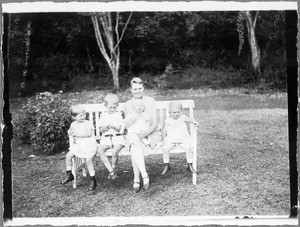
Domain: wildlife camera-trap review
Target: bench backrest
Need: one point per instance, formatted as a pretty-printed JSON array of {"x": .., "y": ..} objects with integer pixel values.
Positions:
[{"x": 94, "y": 111}]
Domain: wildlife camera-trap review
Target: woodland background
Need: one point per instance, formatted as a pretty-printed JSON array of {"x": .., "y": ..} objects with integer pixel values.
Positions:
[{"x": 169, "y": 50}]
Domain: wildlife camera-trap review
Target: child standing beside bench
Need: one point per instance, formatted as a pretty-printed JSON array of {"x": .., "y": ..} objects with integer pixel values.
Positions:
[
  {"x": 175, "y": 133},
  {"x": 84, "y": 144}
]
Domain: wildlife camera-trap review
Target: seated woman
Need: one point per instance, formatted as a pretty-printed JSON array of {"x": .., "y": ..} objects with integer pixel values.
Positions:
[{"x": 133, "y": 141}]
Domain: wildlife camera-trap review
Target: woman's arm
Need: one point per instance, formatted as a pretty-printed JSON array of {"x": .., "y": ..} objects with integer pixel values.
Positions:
[{"x": 154, "y": 122}]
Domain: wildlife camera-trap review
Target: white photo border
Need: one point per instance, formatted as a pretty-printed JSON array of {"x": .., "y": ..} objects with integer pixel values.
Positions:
[{"x": 47, "y": 6}]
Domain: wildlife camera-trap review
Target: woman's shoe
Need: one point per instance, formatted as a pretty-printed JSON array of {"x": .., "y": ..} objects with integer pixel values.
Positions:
[
  {"x": 146, "y": 182},
  {"x": 136, "y": 187}
]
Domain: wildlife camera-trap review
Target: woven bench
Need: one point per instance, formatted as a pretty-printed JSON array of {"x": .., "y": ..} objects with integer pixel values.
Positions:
[{"x": 94, "y": 112}]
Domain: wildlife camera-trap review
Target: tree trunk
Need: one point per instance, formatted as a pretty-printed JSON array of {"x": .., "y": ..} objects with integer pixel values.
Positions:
[
  {"x": 90, "y": 63},
  {"x": 255, "y": 53},
  {"x": 108, "y": 39},
  {"x": 116, "y": 79}
]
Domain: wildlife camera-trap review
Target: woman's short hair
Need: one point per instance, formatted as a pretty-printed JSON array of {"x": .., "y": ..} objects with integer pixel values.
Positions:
[{"x": 136, "y": 80}]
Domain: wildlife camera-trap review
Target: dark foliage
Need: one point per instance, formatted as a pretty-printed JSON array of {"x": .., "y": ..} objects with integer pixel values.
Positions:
[
  {"x": 43, "y": 123},
  {"x": 63, "y": 49}
]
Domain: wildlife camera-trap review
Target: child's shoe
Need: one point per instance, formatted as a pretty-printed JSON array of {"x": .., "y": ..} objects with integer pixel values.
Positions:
[
  {"x": 93, "y": 184},
  {"x": 70, "y": 177},
  {"x": 190, "y": 168},
  {"x": 166, "y": 169}
]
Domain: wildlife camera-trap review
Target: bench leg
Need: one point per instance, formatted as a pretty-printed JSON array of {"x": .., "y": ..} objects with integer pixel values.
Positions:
[
  {"x": 84, "y": 173},
  {"x": 194, "y": 176},
  {"x": 195, "y": 166},
  {"x": 74, "y": 167}
]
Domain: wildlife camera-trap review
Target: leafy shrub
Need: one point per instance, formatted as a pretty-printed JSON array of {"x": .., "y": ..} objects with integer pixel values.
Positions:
[
  {"x": 44, "y": 123},
  {"x": 24, "y": 123}
]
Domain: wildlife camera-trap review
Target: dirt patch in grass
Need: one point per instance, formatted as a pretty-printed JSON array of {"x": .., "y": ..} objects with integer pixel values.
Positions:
[{"x": 242, "y": 163}]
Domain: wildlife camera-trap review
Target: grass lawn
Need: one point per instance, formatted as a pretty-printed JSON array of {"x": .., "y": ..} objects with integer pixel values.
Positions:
[{"x": 242, "y": 164}]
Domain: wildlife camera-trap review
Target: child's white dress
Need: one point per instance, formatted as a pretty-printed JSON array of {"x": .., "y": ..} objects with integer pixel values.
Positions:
[
  {"x": 83, "y": 147},
  {"x": 177, "y": 131}
]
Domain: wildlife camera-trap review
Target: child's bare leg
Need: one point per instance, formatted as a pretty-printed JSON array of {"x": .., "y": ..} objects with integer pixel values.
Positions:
[
  {"x": 70, "y": 176},
  {"x": 115, "y": 155},
  {"x": 101, "y": 151},
  {"x": 69, "y": 157},
  {"x": 189, "y": 156},
  {"x": 166, "y": 157},
  {"x": 90, "y": 166}
]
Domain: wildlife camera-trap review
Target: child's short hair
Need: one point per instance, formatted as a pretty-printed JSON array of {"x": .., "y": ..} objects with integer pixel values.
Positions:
[
  {"x": 175, "y": 105},
  {"x": 75, "y": 110},
  {"x": 111, "y": 98}
]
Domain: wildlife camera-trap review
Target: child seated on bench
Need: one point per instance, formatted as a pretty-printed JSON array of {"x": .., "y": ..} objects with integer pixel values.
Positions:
[
  {"x": 110, "y": 124},
  {"x": 84, "y": 144},
  {"x": 142, "y": 123},
  {"x": 175, "y": 133}
]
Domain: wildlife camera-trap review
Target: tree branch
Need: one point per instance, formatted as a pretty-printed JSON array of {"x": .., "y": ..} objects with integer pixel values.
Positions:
[
  {"x": 255, "y": 19},
  {"x": 127, "y": 22},
  {"x": 106, "y": 25},
  {"x": 100, "y": 40}
]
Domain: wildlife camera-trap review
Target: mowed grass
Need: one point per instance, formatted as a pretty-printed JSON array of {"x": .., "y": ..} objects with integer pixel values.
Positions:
[{"x": 242, "y": 164}]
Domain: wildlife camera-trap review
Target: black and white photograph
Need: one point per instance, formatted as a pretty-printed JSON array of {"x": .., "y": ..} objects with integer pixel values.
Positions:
[{"x": 151, "y": 116}]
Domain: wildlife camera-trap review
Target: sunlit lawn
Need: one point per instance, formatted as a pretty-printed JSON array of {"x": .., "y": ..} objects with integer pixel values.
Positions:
[{"x": 242, "y": 163}]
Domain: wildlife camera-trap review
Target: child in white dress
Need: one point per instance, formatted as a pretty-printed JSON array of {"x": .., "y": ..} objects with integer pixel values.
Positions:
[
  {"x": 142, "y": 121},
  {"x": 176, "y": 133},
  {"x": 110, "y": 124},
  {"x": 84, "y": 144}
]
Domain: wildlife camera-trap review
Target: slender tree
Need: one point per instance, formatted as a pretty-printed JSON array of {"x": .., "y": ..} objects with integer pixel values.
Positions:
[
  {"x": 251, "y": 19},
  {"x": 108, "y": 39}
]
